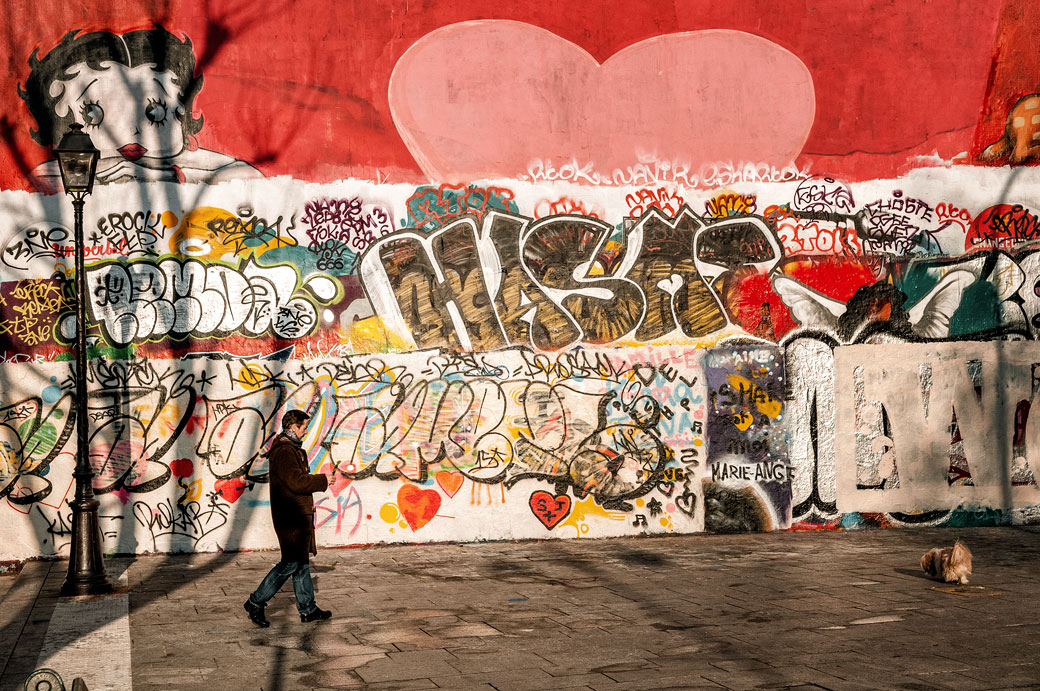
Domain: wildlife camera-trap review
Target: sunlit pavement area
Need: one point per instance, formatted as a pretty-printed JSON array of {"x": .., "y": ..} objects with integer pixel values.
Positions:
[{"x": 847, "y": 610}]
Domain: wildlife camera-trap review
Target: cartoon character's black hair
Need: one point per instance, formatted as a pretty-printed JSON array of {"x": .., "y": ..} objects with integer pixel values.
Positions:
[{"x": 155, "y": 46}]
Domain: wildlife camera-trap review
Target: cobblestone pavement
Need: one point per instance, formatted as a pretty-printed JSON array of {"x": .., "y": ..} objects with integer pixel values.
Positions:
[{"x": 781, "y": 610}]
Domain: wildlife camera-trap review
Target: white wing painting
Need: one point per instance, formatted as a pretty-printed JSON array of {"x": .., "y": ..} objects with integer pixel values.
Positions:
[{"x": 930, "y": 316}]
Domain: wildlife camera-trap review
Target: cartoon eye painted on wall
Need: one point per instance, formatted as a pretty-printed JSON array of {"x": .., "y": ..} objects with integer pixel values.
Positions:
[
  {"x": 156, "y": 111},
  {"x": 92, "y": 114}
]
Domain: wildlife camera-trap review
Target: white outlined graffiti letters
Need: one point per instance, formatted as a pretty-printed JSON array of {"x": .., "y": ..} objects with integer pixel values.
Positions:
[
  {"x": 528, "y": 315},
  {"x": 178, "y": 298},
  {"x": 566, "y": 256},
  {"x": 900, "y": 438},
  {"x": 608, "y": 433},
  {"x": 560, "y": 280},
  {"x": 676, "y": 295}
]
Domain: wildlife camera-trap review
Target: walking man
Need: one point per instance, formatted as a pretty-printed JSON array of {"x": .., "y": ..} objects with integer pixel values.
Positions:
[{"x": 292, "y": 510}]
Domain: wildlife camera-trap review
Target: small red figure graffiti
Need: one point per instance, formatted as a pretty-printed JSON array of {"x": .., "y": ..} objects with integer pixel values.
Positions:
[
  {"x": 133, "y": 93},
  {"x": 764, "y": 328}
]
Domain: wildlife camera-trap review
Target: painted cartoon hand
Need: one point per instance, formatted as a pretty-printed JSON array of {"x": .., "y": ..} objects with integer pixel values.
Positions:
[{"x": 125, "y": 171}]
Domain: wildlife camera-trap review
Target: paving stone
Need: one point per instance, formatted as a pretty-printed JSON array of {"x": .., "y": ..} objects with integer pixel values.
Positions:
[
  {"x": 473, "y": 663},
  {"x": 476, "y": 630},
  {"x": 403, "y": 666}
]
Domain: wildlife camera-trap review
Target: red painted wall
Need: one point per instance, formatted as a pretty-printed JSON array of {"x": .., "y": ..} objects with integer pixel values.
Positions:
[{"x": 301, "y": 89}]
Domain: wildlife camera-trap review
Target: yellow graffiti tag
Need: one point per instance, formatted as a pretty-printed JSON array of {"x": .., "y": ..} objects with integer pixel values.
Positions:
[
  {"x": 33, "y": 320},
  {"x": 190, "y": 492},
  {"x": 251, "y": 377},
  {"x": 729, "y": 203},
  {"x": 583, "y": 509},
  {"x": 372, "y": 336},
  {"x": 768, "y": 406},
  {"x": 743, "y": 420}
]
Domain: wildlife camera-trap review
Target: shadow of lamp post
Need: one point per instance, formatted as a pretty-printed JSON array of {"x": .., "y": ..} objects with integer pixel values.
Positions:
[{"x": 77, "y": 159}]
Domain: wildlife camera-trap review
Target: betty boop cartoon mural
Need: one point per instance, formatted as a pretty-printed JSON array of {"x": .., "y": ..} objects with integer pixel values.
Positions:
[{"x": 133, "y": 93}]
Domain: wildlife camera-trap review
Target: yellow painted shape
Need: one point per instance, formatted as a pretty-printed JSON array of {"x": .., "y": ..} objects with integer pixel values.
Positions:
[
  {"x": 169, "y": 415},
  {"x": 372, "y": 336},
  {"x": 583, "y": 509},
  {"x": 251, "y": 376},
  {"x": 389, "y": 512},
  {"x": 966, "y": 590},
  {"x": 769, "y": 407},
  {"x": 192, "y": 491},
  {"x": 196, "y": 237}
]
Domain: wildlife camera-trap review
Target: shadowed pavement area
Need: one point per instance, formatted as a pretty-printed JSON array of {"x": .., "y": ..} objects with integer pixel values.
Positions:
[{"x": 848, "y": 610}]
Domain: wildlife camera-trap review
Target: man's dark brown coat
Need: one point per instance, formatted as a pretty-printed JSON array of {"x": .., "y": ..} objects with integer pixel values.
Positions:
[{"x": 292, "y": 506}]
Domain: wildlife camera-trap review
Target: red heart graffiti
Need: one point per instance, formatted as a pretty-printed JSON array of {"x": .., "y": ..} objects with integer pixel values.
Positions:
[
  {"x": 182, "y": 467},
  {"x": 548, "y": 509},
  {"x": 418, "y": 506},
  {"x": 231, "y": 490},
  {"x": 450, "y": 481}
]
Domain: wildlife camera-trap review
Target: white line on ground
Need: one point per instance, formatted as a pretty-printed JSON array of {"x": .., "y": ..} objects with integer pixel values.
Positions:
[{"x": 90, "y": 637}]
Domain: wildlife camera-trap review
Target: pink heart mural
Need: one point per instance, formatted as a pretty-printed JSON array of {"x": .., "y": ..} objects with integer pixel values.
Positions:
[{"x": 485, "y": 99}]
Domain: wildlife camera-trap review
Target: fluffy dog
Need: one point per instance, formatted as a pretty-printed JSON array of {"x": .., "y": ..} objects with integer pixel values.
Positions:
[{"x": 950, "y": 564}]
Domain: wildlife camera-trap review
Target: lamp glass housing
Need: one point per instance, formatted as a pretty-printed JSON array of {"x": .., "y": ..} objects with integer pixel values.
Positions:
[{"x": 77, "y": 158}]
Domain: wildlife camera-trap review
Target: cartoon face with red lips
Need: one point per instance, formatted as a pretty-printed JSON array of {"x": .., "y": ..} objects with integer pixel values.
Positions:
[{"x": 133, "y": 93}]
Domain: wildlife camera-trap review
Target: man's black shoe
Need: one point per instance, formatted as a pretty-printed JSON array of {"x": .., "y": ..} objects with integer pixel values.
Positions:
[
  {"x": 256, "y": 614},
  {"x": 317, "y": 615}
]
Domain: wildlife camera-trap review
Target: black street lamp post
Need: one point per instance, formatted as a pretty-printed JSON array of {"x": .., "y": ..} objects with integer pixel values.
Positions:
[{"x": 77, "y": 159}]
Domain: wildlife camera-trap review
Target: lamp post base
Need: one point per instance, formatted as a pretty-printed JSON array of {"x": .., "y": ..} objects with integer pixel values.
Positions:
[
  {"x": 93, "y": 587},
  {"x": 86, "y": 574}
]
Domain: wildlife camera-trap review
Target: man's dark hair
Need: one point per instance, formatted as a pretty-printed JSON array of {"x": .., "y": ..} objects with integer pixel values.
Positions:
[
  {"x": 294, "y": 417},
  {"x": 155, "y": 46}
]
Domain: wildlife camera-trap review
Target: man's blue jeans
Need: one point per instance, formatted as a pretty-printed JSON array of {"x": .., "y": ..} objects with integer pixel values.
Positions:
[{"x": 301, "y": 578}]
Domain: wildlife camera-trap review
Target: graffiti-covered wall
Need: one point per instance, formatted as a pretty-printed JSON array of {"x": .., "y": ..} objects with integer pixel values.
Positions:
[{"x": 535, "y": 273}]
